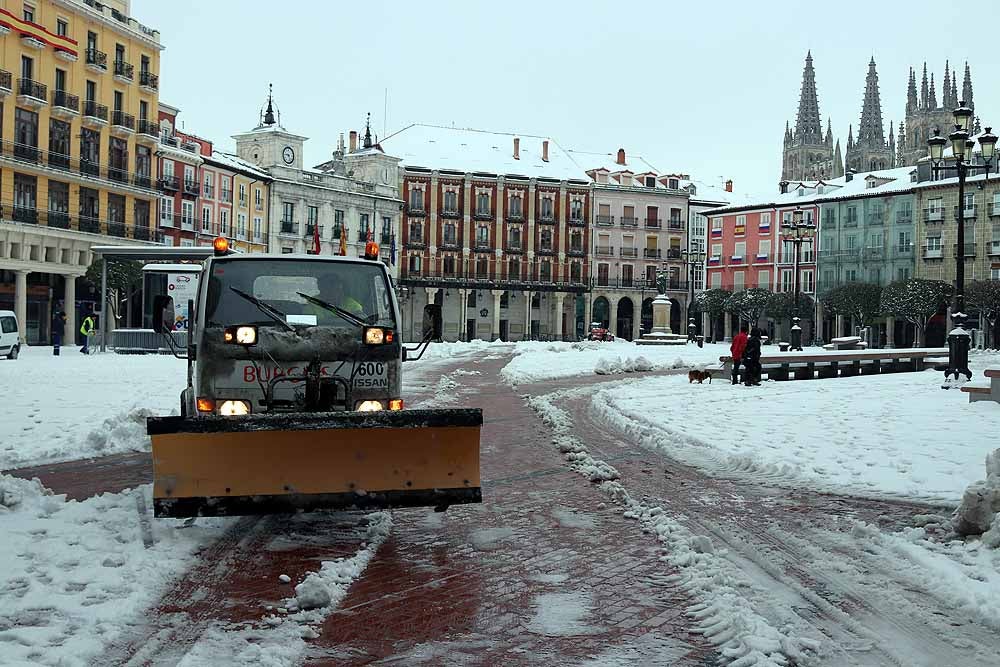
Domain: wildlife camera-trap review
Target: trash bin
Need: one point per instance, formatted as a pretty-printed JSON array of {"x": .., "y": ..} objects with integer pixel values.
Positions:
[
  {"x": 783, "y": 346},
  {"x": 701, "y": 340}
]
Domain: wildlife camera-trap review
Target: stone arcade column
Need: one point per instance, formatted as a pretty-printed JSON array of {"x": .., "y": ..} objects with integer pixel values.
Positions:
[
  {"x": 637, "y": 321},
  {"x": 69, "y": 305},
  {"x": 527, "y": 316},
  {"x": 463, "y": 298},
  {"x": 558, "y": 328},
  {"x": 706, "y": 327},
  {"x": 21, "y": 302},
  {"x": 727, "y": 328},
  {"x": 497, "y": 293},
  {"x": 890, "y": 332},
  {"x": 586, "y": 313}
]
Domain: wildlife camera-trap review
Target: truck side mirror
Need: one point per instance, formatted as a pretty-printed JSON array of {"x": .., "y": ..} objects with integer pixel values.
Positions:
[
  {"x": 432, "y": 322},
  {"x": 163, "y": 314}
]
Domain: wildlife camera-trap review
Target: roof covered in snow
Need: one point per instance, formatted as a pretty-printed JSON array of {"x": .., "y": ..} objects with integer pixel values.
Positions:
[
  {"x": 471, "y": 150},
  {"x": 235, "y": 163}
]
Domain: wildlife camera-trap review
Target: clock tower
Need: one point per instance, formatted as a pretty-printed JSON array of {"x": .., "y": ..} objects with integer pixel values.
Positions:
[{"x": 269, "y": 145}]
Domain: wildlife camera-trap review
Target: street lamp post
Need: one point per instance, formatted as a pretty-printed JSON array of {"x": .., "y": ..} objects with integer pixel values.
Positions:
[
  {"x": 962, "y": 152},
  {"x": 797, "y": 232},
  {"x": 694, "y": 259}
]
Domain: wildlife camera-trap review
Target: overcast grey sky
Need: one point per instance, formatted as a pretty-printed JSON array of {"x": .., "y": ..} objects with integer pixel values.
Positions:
[{"x": 702, "y": 87}]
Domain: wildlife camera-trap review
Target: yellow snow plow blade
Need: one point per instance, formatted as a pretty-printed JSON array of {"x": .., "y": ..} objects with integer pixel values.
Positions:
[{"x": 271, "y": 464}]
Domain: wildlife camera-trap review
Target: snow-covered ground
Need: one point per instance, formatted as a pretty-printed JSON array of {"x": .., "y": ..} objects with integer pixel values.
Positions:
[{"x": 888, "y": 435}]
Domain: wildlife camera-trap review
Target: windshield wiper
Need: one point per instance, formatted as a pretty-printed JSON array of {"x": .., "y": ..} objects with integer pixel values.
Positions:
[
  {"x": 265, "y": 308},
  {"x": 337, "y": 310}
]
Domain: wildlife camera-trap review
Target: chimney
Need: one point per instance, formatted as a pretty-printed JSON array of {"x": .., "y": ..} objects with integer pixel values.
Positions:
[
  {"x": 783, "y": 187},
  {"x": 545, "y": 150},
  {"x": 517, "y": 148},
  {"x": 849, "y": 176},
  {"x": 621, "y": 156},
  {"x": 354, "y": 141},
  {"x": 729, "y": 185}
]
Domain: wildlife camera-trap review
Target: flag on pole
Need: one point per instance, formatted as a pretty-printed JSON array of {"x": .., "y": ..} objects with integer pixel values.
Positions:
[
  {"x": 316, "y": 246},
  {"x": 392, "y": 250},
  {"x": 343, "y": 240}
]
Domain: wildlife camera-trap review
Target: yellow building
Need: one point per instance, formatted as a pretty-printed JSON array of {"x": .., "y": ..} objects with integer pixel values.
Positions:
[{"x": 79, "y": 95}]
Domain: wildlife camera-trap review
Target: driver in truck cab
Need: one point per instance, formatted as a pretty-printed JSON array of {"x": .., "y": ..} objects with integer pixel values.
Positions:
[{"x": 333, "y": 291}]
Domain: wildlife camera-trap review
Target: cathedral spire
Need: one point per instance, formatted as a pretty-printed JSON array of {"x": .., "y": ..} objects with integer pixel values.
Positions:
[
  {"x": 808, "y": 127},
  {"x": 850, "y": 138},
  {"x": 967, "y": 88},
  {"x": 954, "y": 92},
  {"x": 838, "y": 162},
  {"x": 946, "y": 88},
  {"x": 368, "y": 132},
  {"x": 901, "y": 144},
  {"x": 870, "y": 129},
  {"x": 829, "y": 132},
  {"x": 923, "y": 89},
  {"x": 932, "y": 100},
  {"x": 911, "y": 93}
]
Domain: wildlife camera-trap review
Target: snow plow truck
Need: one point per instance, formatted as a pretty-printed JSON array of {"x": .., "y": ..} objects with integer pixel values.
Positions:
[{"x": 294, "y": 396}]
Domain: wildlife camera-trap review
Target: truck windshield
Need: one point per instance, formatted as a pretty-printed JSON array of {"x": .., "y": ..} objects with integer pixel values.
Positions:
[{"x": 361, "y": 288}]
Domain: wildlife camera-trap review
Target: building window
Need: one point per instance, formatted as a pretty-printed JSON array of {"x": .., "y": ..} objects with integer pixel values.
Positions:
[
  {"x": 809, "y": 282},
  {"x": 717, "y": 225},
  {"x": 29, "y": 13},
  {"x": 739, "y": 281},
  {"x": 386, "y": 229},
  {"x": 449, "y": 266},
  {"x": 224, "y": 222},
  {"x": 257, "y": 223},
  {"x": 514, "y": 269},
  {"x": 62, "y": 28},
  {"x": 116, "y": 213},
  {"x": 450, "y": 201},
  {"x": 206, "y": 219},
  {"x": 363, "y": 225},
  {"x": 787, "y": 281},
  {"x": 59, "y": 138},
  {"x": 576, "y": 210},
  {"x": 140, "y": 215},
  {"x": 741, "y": 225},
  {"x": 546, "y": 240},
  {"x": 716, "y": 252},
  {"x": 545, "y": 271},
  {"x": 209, "y": 185},
  {"x": 415, "y": 264},
  {"x": 167, "y": 211},
  {"x": 241, "y": 225},
  {"x": 482, "y": 267},
  {"x": 312, "y": 216},
  {"x": 143, "y": 165},
  {"x": 764, "y": 279},
  {"x": 287, "y": 211},
  {"x": 338, "y": 223},
  {"x": 673, "y": 184},
  {"x": 515, "y": 206},
  {"x": 26, "y": 134},
  {"x": 576, "y": 272},
  {"x": 187, "y": 214},
  {"x": 764, "y": 249},
  {"x": 450, "y": 237},
  {"x": 243, "y": 194},
  {"x": 483, "y": 203},
  {"x": 258, "y": 199},
  {"x": 576, "y": 241},
  {"x": 740, "y": 252},
  {"x": 416, "y": 232},
  {"x": 546, "y": 208},
  {"x": 416, "y": 200},
  {"x": 118, "y": 159},
  {"x": 482, "y": 236}
]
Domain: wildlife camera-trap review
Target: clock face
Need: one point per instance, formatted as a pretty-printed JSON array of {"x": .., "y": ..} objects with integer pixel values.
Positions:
[{"x": 288, "y": 155}]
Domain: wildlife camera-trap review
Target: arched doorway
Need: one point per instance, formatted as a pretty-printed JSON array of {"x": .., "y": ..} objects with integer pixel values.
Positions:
[
  {"x": 675, "y": 317},
  {"x": 601, "y": 312},
  {"x": 625, "y": 318},
  {"x": 647, "y": 315}
]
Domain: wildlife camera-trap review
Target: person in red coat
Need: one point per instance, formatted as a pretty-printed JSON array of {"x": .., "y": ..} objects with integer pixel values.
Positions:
[{"x": 737, "y": 348}]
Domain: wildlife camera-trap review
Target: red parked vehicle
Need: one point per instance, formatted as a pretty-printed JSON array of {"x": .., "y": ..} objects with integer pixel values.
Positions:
[{"x": 598, "y": 332}]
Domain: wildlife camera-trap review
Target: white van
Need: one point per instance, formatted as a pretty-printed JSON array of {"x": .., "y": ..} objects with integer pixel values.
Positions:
[{"x": 10, "y": 344}]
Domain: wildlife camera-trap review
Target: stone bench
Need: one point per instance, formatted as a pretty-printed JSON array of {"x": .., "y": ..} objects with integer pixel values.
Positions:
[
  {"x": 846, "y": 343},
  {"x": 985, "y": 393},
  {"x": 837, "y": 363}
]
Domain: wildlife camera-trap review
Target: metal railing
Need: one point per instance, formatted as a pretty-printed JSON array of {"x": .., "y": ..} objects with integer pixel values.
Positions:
[
  {"x": 604, "y": 220},
  {"x": 675, "y": 224},
  {"x": 904, "y": 218},
  {"x": 651, "y": 223},
  {"x": 546, "y": 217},
  {"x": 96, "y": 58},
  {"x": 604, "y": 251},
  {"x": 169, "y": 183},
  {"x": 673, "y": 253},
  {"x": 629, "y": 221},
  {"x": 576, "y": 252},
  {"x": 933, "y": 214},
  {"x": 149, "y": 80},
  {"x": 451, "y": 213},
  {"x": 94, "y": 110},
  {"x": 60, "y": 98},
  {"x": 35, "y": 156},
  {"x": 515, "y": 217},
  {"x": 933, "y": 252},
  {"x": 515, "y": 248},
  {"x": 6, "y": 79},
  {"x": 226, "y": 196},
  {"x": 628, "y": 252},
  {"x": 31, "y": 88},
  {"x": 311, "y": 230},
  {"x": 122, "y": 119},
  {"x": 208, "y": 191},
  {"x": 651, "y": 253},
  {"x": 92, "y": 225},
  {"x": 577, "y": 222},
  {"x": 876, "y": 217},
  {"x": 482, "y": 246},
  {"x": 545, "y": 250},
  {"x": 483, "y": 215},
  {"x": 416, "y": 210},
  {"x": 289, "y": 227},
  {"x": 187, "y": 222},
  {"x": 994, "y": 249},
  {"x": 968, "y": 211},
  {"x": 192, "y": 187},
  {"x": 124, "y": 70}
]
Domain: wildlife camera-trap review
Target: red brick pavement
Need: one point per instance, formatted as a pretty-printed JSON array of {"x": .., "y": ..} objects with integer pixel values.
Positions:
[{"x": 467, "y": 587}]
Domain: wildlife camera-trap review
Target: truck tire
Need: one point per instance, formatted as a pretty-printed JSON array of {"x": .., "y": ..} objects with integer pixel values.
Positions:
[{"x": 14, "y": 351}]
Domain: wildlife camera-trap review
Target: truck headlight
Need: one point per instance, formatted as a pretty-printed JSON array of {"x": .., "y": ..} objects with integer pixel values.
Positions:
[
  {"x": 234, "y": 408},
  {"x": 245, "y": 335},
  {"x": 370, "y": 406},
  {"x": 378, "y": 336}
]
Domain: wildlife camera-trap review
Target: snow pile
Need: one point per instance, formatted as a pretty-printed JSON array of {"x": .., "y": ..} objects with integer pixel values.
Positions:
[
  {"x": 535, "y": 361},
  {"x": 328, "y": 586},
  {"x": 981, "y": 503},
  {"x": 75, "y": 573},
  {"x": 723, "y": 613},
  {"x": 900, "y": 445},
  {"x": 448, "y": 350},
  {"x": 125, "y": 432}
]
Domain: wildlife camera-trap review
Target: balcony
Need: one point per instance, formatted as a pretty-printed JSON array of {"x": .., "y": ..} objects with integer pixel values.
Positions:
[
  {"x": 933, "y": 252},
  {"x": 117, "y": 229},
  {"x": 118, "y": 174},
  {"x": 6, "y": 83},
  {"x": 545, "y": 250},
  {"x": 27, "y": 153},
  {"x": 650, "y": 223},
  {"x": 89, "y": 224},
  {"x": 514, "y": 249},
  {"x": 122, "y": 124},
  {"x": 629, "y": 221},
  {"x": 851, "y": 221},
  {"x": 515, "y": 217},
  {"x": 993, "y": 250},
  {"x": 25, "y": 215},
  {"x": 311, "y": 231},
  {"x": 483, "y": 215},
  {"x": 546, "y": 218},
  {"x": 289, "y": 227},
  {"x": 969, "y": 212},
  {"x": 416, "y": 211},
  {"x": 675, "y": 224},
  {"x": 449, "y": 243},
  {"x": 933, "y": 214},
  {"x": 89, "y": 168},
  {"x": 208, "y": 191},
  {"x": 149, "y": 81},
  {"x": 875, "y": 252},
  {"x": 904, "y": 250},
  {"x": 575, "y": 252},
  {"x": 416, "y": 242},
  {"x": 169, "y": 184},
  {"x": 145, "y": 233},
  {"x": 95, "y": 116},
  {"x": 187, "y": 222},
  {"x": 970, "y": 250},
  {"x": 58, "y": 219},
  {"x": 124, "y": 71},
  {"x": 32, "y": 94},
  {"x": 577, "y": 222},
  {"x": 604, "y": 220},
  {"x": 628, "y": 252},
  {"x": 904, "y": 218},
  {"x": 192, "y": 188},
  {"x": 95, "y": 60},
  {"x": 673, "y": 253},
  {"x": 482, "y": 247},
  {"x": 651, "y": 253},
  {"x": 876, "y": 217},
  {"x": 64, "y": 105},
  {"x": 226, "y": 196},
  {"x": 604, "y": 251},
  {"x": 362, "y": 235},
  {"x": 452, "y": 213}
]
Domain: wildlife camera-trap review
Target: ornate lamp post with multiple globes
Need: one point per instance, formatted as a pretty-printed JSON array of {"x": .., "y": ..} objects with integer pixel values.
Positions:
[
  {"x": 797, "y": 231},
  {"x": 962, "y": 151},
  {"x": 694, "y": 259}
]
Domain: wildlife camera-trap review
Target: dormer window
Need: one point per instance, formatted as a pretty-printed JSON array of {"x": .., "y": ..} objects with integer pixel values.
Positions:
[
  {"x": 674, "y": 184},
  {"x": 602, "y": 177},
  {"x": 625, "y": 179},
  {"x": 650, "y": 181}
]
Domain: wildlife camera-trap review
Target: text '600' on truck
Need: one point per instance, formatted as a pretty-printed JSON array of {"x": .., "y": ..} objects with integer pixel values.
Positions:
[{"x": 294, "y": 401}]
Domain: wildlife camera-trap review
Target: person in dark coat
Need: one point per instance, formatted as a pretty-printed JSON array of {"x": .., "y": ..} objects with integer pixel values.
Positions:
[
  {"x": 751, "y": 359},
  {"x": 58, "y": 325},
  {"x": 736, "y": 349}
]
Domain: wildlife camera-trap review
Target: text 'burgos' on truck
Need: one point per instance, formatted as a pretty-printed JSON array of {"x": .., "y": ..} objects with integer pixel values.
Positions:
[{"x": 293, "y": 399}]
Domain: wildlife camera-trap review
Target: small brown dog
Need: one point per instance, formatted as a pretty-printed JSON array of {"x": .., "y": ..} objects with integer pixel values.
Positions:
[{"x": 700, "y": 376}]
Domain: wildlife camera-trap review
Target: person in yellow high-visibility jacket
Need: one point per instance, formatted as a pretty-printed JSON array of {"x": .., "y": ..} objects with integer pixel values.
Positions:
[
  {"x": 332, "y": 291},
  {"x": 87, "y": 329}
]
